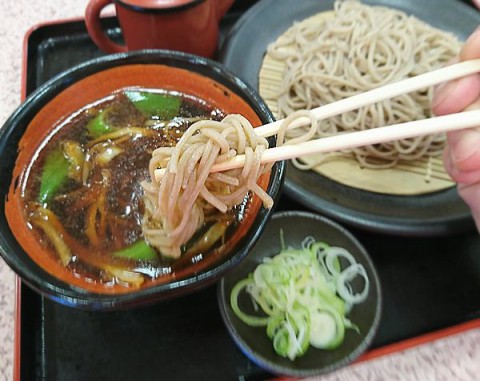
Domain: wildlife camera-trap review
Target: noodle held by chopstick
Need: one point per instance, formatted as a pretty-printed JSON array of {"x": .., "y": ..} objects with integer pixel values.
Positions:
[{"x": 175, "y": 204}]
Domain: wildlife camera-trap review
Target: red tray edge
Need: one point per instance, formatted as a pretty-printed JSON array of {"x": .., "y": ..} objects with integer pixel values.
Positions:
[
  {"x": 369, "y": 355},
  {"x": 17, "y": 330},
  {"x": 18, "y": 285},
  {"x": 18, "y": 282}
]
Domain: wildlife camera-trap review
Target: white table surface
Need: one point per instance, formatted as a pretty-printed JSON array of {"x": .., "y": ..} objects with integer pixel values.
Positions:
[{"x": 453, "y": 358}]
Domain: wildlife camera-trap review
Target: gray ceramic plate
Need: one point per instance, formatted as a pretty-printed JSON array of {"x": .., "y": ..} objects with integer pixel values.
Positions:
[
  {"x": 433, "y": 214},
  {"x": 253, "y": 341}
]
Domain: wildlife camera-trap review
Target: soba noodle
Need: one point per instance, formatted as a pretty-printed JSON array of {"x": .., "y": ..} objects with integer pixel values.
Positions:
[
  {"x": 175, "y": 204},
  {"x": 360, "y": 48}
]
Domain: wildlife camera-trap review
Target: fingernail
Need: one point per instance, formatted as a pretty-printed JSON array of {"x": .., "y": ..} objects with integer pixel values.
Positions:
[
  {"x": 442, "y": 92},
  {"x": 464, "y": 145}
]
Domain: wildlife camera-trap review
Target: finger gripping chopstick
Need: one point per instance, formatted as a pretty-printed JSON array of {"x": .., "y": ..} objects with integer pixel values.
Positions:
[{"x": 374, "y": 135}]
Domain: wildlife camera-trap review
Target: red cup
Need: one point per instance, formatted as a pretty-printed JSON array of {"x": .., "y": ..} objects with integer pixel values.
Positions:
[{"x": 190, "y": 26}]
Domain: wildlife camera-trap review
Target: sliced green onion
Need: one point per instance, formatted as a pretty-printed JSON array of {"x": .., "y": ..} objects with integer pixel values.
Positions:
[
  {"x": 139, "y": 251},
  {"x": 327, "y": 330},
  {"x": 98, "y": 126},
  {"x": 254, "y": 321},
  {"x": 54, "y": 174},
  {"x": 162, "y": 105},
  {"x": 298, "y": 291}
]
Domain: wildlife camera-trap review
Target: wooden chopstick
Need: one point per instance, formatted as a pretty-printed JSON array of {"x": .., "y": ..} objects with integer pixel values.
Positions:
[
  {"x": 350, "y": 140},
  {"x": 379, "y": 94}
]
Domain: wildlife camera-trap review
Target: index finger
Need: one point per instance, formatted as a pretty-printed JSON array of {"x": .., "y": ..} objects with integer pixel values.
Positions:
[{"x": 471, "y": 48}]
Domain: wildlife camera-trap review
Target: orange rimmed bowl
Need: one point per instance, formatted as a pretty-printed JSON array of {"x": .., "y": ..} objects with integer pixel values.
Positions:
[{"x": 65, "y": 94}]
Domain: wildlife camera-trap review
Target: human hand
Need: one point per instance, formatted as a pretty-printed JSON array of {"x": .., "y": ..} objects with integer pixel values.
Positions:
[{"x": 462, "y": 153}]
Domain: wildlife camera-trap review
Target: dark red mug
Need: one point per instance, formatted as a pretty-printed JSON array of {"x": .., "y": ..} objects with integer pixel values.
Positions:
[{"x": 190, "y": 26}]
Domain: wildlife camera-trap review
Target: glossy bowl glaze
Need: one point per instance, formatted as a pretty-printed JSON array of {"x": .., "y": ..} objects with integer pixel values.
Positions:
[
  {"x": 254, "y": 342},
  {"x": 82, "y": 85}
]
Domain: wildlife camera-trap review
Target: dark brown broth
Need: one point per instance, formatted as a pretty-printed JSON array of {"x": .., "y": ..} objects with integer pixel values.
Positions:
[{"x": 119, "y": 180}]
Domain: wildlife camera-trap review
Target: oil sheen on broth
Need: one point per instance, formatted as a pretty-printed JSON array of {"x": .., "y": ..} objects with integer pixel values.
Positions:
[{"x": 83, "y": 193}]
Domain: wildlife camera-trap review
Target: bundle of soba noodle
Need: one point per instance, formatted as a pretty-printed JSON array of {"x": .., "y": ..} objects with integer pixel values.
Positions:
[
  {"x": 175, "y": 203},
  {"x": 359, "y": 48}
]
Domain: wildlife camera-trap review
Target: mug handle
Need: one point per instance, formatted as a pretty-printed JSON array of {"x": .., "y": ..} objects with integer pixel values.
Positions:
[
  {"x": 92, "y": 21},
  {"x": 222, "y": 7}
]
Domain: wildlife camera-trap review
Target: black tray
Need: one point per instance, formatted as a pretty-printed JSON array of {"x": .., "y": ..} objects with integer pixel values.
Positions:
[{"x": 428, "y": 284}]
